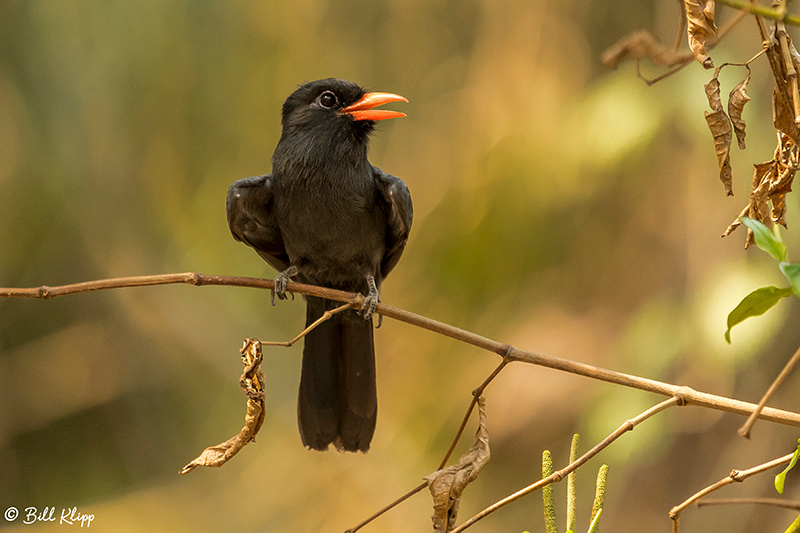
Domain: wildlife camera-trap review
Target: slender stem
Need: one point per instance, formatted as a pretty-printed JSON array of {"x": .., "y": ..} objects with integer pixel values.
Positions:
[
  {"x": 734, "y": 476},
  {"x": 476, "y": 394},
  {"x": 324, "y": 318},
  {"x": 689, "y": 395},
  {"x": 764, "y": 11},
  {"x": 628, "y": 425},
  {"x": 774, "y": 502},
  {"x": 744, "y": 431}
]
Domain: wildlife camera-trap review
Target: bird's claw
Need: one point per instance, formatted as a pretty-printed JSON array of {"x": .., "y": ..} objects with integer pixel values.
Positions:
[
  {"x": 280, "y": 284},
  {"x": 371, "y": 301}
]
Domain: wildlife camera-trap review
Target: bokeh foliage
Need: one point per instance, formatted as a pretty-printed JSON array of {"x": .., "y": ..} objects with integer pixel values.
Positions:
[{"x": 560, "y": 207}]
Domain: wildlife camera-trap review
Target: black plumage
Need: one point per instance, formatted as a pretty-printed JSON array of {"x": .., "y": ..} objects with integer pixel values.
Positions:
[{"x": 326, "y": 216}]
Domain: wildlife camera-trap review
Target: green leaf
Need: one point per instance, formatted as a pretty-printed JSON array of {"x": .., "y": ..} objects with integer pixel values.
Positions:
[
  {"x": 792, "y": 273},
  {"x": 756, "y": 303},
  {"x": 766, "y": 239},
  {"x": 795, "y": 526},
  {"x": 780, "y": 479}
]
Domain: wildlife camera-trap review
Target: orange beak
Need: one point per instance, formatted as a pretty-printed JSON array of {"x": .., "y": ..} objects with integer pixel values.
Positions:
[{"x": 363, "y": 109}]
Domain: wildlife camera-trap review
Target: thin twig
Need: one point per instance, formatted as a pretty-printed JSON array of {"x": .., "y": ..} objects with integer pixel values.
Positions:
[
  {"x": 398, "y": 501},
  {"x": 476, "y": 394},
  {"x": 774, "y": 502},
  {"x": 734, "y": 476},
  {"x": 690, "y": 396},
  {"x": 689, "y": 58},
  {"x": 324, "y": 318},
  {"x": 555, "y": 477},
  {"x": 744, "y": 431},
  {"x": 757, "y": 9}
]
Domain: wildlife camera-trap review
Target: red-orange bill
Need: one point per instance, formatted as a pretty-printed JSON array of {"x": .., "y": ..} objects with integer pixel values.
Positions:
[{"x": 363, "y": 109}]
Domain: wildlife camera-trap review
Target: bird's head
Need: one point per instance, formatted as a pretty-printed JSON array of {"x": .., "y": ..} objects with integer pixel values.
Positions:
[{"x": 335, "y": 108}]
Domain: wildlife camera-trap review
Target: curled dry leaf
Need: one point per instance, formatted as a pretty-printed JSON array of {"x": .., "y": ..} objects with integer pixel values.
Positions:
[
  {"x": 772, "y": 180},
  {"x": 639, "y": 45},
  {"x": 736, "y": 101},
  {"x": 721, "y": 129},
  {"x": 252, "y": 382},
  {"x": 782, "y": 111},
  {"x": 701, "y": 29},
  {"x": 447, "y": 484}
]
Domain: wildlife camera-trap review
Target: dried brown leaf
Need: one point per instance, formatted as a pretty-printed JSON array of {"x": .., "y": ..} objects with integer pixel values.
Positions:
[
  {"x": 721, "y": 129},
  {"x": 782, "y": 111},
  {"x": 639, "y": 45},
  {"x": 447, "y": 484},
  {"x": 783, "y": 116},
  {"x": 781, "y": 183},
  {"x": 736, "y": 101},
  {"x": 701, "y": 29},
  {"x": 252, "y": 382}
]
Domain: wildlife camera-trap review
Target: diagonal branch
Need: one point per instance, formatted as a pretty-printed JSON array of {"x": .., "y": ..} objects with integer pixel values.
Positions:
[
  {"x": 555, "y": 477},
  {"x": 734, "y": 476},
  {"x": 689, "y": 395}
]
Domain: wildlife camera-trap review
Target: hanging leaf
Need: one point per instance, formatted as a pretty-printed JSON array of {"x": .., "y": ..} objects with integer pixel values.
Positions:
[
  {"x": 721, "y": 129},
  {"x": 792, "y": 273},
  {"x": 447, "y": 484},
  {"x": 766, "y": 239},
  {"x": 780, "y": 479},
  {"x": 736, "y": 101},
  {"x": 756, "y": 303},
  {"x": 701, "y": 29},
  {"x": 782, "y": 111},
  {"x": 252, "y": 382}
]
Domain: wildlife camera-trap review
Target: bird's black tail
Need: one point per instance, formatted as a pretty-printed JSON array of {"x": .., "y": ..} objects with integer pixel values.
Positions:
[{"x": 338, "y": 401}]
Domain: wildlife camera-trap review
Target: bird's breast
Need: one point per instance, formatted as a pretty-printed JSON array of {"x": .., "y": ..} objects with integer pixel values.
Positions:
[{"x": 335, "y": 234}]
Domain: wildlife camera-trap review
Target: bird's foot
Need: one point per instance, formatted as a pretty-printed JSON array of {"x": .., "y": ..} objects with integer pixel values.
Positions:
[
  {"x": 280, "y": 284},
  {"x": 371, "y": 301}
]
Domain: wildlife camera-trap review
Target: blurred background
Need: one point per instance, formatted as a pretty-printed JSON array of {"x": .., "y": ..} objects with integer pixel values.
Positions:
[{"x": 559, "y": 207}]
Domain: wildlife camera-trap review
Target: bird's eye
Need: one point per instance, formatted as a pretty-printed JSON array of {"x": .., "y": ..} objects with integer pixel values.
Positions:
[{"x": 328, "y": 100}]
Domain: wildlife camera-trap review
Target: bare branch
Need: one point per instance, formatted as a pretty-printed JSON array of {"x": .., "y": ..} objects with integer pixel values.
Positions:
[
  {"x": 774, "y": 502},
  {"x": 734, "y": 476},
  {"x": 764, "y": 11},
  {"x": 476, "y": 394},
  {"x": 744, "y": 431},
  {"x": 628, "y": 425},
  {"x": 689, "y": 395}
]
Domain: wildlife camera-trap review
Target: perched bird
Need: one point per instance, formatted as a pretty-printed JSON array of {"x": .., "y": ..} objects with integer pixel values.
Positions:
[{"x": 326, "y": 216}]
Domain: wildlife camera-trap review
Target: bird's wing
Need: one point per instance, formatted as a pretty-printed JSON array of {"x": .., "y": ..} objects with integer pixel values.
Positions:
[
  {"x": 400, "y": 211},
  {"x": 251, "y": 219}
]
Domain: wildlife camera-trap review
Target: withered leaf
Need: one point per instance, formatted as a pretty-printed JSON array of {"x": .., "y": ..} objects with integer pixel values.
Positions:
[
  {"x": 639, "y": 45},
  {"x": 782, "y": 111},
  {"x": 447, "y": 484},
  {"x": 736, "y": 101},
  {"x": 252, "y": 382},
  {"x": 772, "y": 181},
  {"x": 721, "y": 129},
  {"x": 701, "y": 29}
]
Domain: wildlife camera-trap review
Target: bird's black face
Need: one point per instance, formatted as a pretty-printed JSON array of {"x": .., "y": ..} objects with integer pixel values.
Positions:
[{"x": 332, "y": 106}]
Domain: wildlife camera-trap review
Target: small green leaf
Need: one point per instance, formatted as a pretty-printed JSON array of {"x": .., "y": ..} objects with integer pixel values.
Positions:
[
  {"x": 792, "y": 273},
  {"x": 794, "y": 527},
  {"x": 780, "y": 479},
  {"x": 765, "y": 238},
  {"x": 756, "y": 303}
]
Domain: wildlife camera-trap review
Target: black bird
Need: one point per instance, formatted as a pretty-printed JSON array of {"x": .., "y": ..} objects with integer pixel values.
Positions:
[{"x": 326, "y": 216}]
